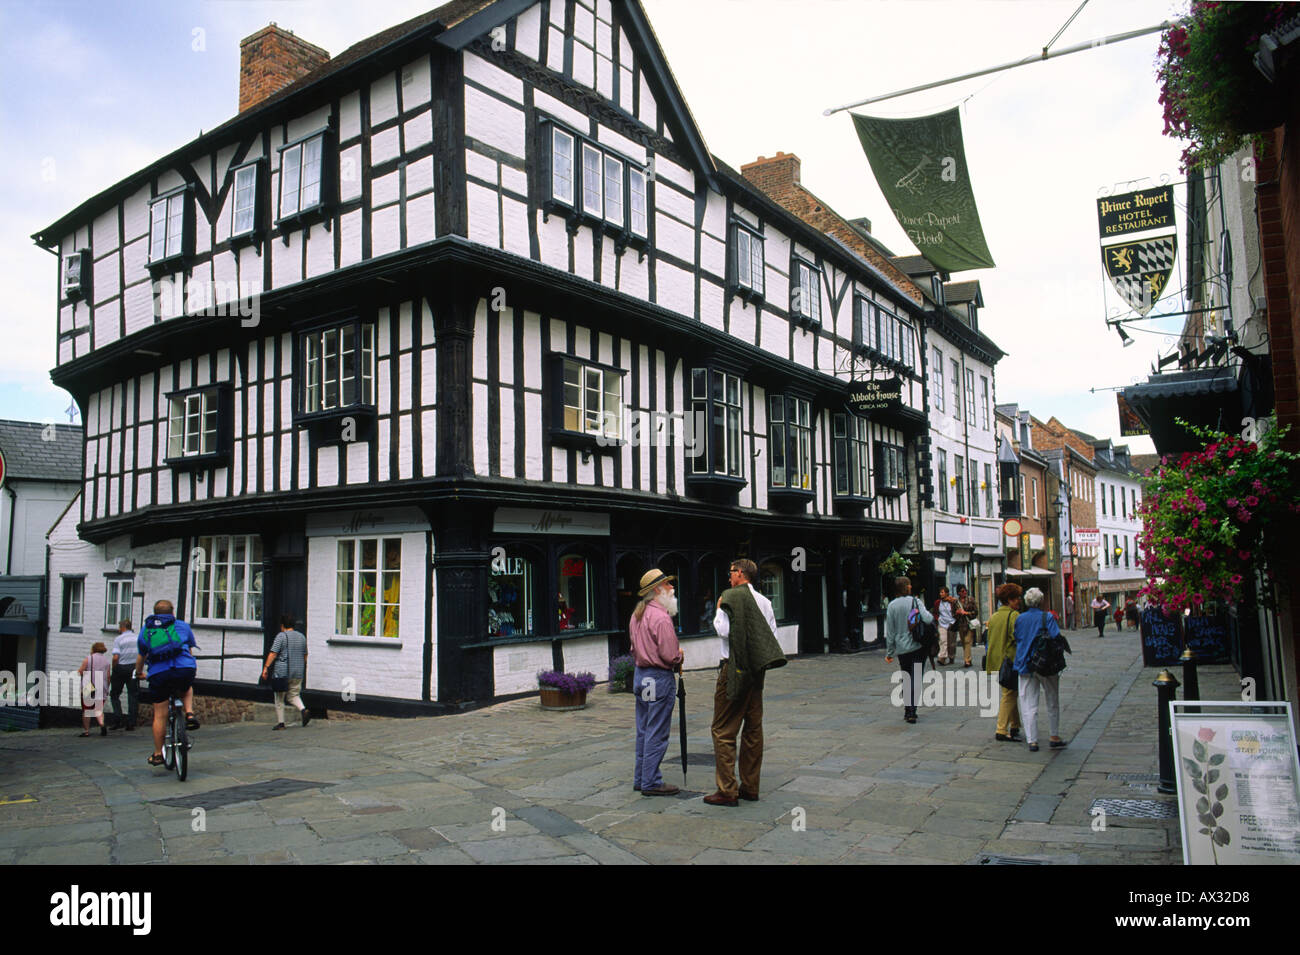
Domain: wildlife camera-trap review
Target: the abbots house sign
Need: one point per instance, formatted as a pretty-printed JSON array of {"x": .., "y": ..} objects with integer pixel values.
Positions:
[{"x": 883, "y": 394}]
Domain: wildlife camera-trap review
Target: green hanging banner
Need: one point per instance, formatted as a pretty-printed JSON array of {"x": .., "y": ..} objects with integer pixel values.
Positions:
[{"x": 920, "y": 166}]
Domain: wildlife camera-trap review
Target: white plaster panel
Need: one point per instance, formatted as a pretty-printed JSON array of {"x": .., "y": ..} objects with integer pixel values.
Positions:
[
  {"x": 561, "y": 111},
  {"x": 514, "y": 180},
  {"x": 383, "y": 98},
  {"x": 674, "y": 238},
  {"x": 775, "y": 332},
  {"x": 634, "y": 275},
  {"x": 582, "y": 262},
  {"x": 350, "y": 173},
  {"x": 528, "y": 32},
  {"x": 417, "y": 86},
  {"x": 555, "y": 46},
  {"x": 484, "y": 215},
  {"x": 493, "y": 77},
  {"x": 429, "y": 443},
  {"x": 419, "y": 176},
  {"x": 349, "y": 116},
  {"x": 385, "y": 231},
  {"x": 605, "y": 77},
  {"x": 309, "y": 123},
  {"x": 742, "y": 322},
  {"x": 385, "y": 190},
  {"x": 553, "y": 242},
  {"x": 625, "y": 94},
  {"x": 506, "y": 402},
  {"x": 532, "y": 436},
  {"x": 649, "y": 112},
  {"x": 584, "y": 64},
  {"x": 384, "y": 145},
  {"x": 713, "y": 256},
  {"x": 479, "y": 415},
  {"x": 418, "y": 131},
  {"x": 675, "y": 288},
  {"x": 428, "y": 376},
  {"x": 419, "y": 220},
  {"x": 135, "y": 215},
  {"x": 350, "y": 238},
  {"x": 493, "y": 122},
  {"x": 632, "y": 150},
  {"x": 480, "y": 166},
  {"x": 675, "y": 203},
  {"x": 320, "y": 251},
  {"x": 286, "y": 260}
]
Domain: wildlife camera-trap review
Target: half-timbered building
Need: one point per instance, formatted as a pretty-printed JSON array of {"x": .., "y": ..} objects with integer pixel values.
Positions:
[{"x": 441, "y": 345}]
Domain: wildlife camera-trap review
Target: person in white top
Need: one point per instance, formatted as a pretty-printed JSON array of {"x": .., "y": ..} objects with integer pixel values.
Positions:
[
  {"x": 747, "y": 709},
  {"x": 125, "y": 649}
]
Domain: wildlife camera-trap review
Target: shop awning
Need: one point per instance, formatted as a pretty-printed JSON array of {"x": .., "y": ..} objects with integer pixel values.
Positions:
[
  {"x": 1207, "y": 397},
  {"x": 1031, "y": 572}
]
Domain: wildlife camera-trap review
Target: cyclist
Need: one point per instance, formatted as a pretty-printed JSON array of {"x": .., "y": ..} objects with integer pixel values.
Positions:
[{"x": 165, "y": 645}]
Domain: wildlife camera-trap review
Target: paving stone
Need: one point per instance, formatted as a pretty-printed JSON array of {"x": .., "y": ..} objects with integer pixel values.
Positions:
[
  {"x": 80, "y": 854},
  {"x": 370, "y": 847},
  {"x": 824, "y": 845},
  {"x": 828, "y": 786},
  {"x": 935, "y": 845},
  {"x": 1043, "y": 832},
  {"x": 515, "y": 848}
]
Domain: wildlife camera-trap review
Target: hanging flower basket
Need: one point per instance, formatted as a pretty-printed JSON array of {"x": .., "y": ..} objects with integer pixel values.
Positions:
[
  {"x": 1213, "y": 517},
  {"x": 1213, "y": 96},
  {"x": 895, "y": 565},
  {"x": 564, "y": 691}
]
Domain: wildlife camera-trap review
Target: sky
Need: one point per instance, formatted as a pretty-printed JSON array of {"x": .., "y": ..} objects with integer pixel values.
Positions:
[{"x": 95, "y": 91}]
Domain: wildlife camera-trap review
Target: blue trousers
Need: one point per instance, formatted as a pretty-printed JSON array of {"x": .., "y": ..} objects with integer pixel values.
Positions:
[{"x": 656, "y": 693}]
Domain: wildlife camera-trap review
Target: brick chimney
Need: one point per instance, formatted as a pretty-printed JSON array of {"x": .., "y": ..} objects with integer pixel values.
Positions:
[
  {"x": 270, "y": 60},
  {"x": 774, "y": 176}
]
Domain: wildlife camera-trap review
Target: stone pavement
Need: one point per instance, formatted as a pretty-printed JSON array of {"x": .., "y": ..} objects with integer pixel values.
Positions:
[{"x": 844, "y": 780}]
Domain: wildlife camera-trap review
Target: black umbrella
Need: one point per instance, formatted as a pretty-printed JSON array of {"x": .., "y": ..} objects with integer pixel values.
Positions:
[{"x": 681, "y": 710}]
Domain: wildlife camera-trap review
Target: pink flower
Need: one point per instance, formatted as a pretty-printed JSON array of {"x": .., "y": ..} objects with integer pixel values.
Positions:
[
  {"x": 1207, "y": 553},
  {"x": 1236, "y": 578},
  {"x": 1232, "y": 502},
  {"x": 1243, "y": 515},
  {"x": 1252, "y": 501},
  {"x": 1205, "y": 735}
]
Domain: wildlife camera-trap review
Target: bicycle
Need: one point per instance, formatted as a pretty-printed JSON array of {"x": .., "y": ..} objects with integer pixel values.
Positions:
[{"x": 176, "y": 742}]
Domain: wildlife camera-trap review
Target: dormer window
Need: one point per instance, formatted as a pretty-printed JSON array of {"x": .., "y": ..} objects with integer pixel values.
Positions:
[
  {"x": 199, "y": 426},
  {"x": 303, "y": 177},
  {"x": 76, "y": 274},
  {"x": 747, "y": 262},
  {"x": 805, "y": 293},
  {"x": 171, "y": 227},
  {"x": 245, "y": 220}
]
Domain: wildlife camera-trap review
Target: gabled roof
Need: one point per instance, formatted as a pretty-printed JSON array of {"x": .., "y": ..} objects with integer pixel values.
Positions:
[
  {"x": 917, "y": 265},
  {"x": 453, "y": 25},
  {"x": 29, "y": 457},
  {"x": 959, "y": 293}
]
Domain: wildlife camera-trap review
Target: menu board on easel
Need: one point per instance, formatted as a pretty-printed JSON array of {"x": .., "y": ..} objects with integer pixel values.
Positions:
[
  {"x": 1162, "y": 641},
  {"x": 1238, "y": 782},
  {"x": 1207, "y": 637}
]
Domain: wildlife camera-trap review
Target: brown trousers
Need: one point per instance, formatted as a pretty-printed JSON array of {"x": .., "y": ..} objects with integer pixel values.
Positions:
[{"x": 728, "y": 715}]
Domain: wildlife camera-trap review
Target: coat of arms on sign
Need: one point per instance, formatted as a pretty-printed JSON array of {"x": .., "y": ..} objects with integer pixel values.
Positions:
[{"x": 1140, "y": 270}]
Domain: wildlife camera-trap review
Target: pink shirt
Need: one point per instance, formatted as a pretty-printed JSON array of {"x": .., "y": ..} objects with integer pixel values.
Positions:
[{"x": 654, "y": 641}]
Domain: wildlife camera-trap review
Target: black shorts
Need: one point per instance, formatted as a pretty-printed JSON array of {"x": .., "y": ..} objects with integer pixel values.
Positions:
[{"x": 162, "y": 686}]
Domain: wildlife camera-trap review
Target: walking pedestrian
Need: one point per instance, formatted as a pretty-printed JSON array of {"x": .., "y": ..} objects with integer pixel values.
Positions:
[
  {"x": 945, "y": 609},
  {"x": 94, "y": 687},
  {"x": 747, "y": 625},
  {"x": 1099, "y": 607},
  {"x": 1031, "y": 622},
  {"x": 166, "y": 647},
  {"x": 900, "y": 642},
  {"x": 1069, "y": 612},
  {"x": 967, "y": 620},
  {"x": 1002, "y": 645},
  {"x": 657, "y": 655},
  {"x": 287, "y": 665},
  {"x": 124, "y": 654}
]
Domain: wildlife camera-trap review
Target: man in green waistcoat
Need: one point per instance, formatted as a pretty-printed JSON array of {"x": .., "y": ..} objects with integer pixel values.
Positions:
[{"x": 747, "y": 626}]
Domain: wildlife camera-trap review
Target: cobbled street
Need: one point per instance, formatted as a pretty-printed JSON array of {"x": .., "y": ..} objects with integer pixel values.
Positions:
[{"x": 845, "y": 780}]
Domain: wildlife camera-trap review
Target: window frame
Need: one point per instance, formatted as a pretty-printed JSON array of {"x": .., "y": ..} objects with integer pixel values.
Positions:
[
  {"x": 256, "y": 227},
  {"x": 796, "y": 444},
  {"x": 205, "y": 597},
  {"x": 943, "y": 480},
  {"x": 984, "y": 399},
  {"x": 357, "y": 591},
  {"x": 955, "y": 368},
  {"x": 324, "y": 184},
  {"x": 558, "y": 363},
  {"x": 71, "y": 584},
  {"x": 631, "y": 224},
  {"x": 970, "y": 396},
  {"x": 988, "y": 490},
  {"x": 890, "y": 462},
  {"x": 215, "y": 399},
  {"x": 172, "y": 258},
  {"x": 851, "y": 454},
  {"x": 813, "y": 316},
  {"x": 706, "y": 465},
  {"x": 75, "y": 284},
  {"x": 114, "y": 582},
  {"x": 937, "y": 379},
  {"x": 360, "y": 327},
  {"x": 959, "y": 476},
  {"x": 751, "y": 291}
]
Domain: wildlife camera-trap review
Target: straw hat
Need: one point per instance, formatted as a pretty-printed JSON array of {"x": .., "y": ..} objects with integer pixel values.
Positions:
[{"x": 651, "y": 579}]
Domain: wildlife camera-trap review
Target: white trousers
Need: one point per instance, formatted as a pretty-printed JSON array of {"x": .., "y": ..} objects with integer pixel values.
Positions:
[
  {"x": 1029, "y": 684},
  {"x": 295, "y": 688}
]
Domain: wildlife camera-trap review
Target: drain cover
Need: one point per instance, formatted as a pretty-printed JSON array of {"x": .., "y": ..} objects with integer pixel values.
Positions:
[
  {"x": 1136, "y": 808},
  {"x": 986, "y": 859},
  {"x": 252, "y": 792}
]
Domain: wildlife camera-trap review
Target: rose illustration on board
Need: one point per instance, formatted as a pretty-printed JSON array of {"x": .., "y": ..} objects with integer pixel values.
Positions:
[{"x": 1204, "y": 774}]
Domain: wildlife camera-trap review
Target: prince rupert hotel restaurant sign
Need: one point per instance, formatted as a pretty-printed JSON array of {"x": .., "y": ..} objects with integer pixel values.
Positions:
[{"x": 1139, "y": 211}]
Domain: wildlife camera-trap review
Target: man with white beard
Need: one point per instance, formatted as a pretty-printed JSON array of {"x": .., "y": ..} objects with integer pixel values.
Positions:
[{"x": 657, "y": 655}]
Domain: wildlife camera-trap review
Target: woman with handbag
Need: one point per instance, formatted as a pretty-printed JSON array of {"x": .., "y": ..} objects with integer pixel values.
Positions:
[
  {"x": 1031, "y": 625},
  {"x": 967, "y": 620},
  {"x": 94, "y": 673},
  {"x": 1001, "y": 653}
]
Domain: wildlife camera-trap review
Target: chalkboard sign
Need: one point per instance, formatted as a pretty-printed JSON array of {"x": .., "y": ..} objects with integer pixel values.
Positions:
[
  {"x": 1208, "y": 638},
  {"x": 1161, "y": 642}
]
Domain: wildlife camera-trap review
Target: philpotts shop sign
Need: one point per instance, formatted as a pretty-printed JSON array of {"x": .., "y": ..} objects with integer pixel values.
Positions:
[{"x": 885, "y": 394}]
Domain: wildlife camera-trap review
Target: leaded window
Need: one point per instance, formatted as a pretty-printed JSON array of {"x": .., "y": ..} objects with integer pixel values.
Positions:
[
  {"x": 852, "y": 465},
  {"x": 368, "y": 587},
  {"x": 715, "y": 399},
  {"x": 227, "y": 578},
  {"x": 338, "y": 367}
]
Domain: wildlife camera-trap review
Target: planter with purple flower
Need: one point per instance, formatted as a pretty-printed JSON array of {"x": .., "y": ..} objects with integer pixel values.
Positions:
[{"x": 564, "y": 691}]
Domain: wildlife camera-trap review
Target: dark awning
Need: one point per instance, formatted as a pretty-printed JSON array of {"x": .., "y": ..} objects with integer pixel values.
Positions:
[{"x": 1206, "y": 397}]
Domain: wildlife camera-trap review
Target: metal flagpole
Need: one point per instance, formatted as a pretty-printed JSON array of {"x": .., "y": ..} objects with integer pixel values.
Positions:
[{"x": 1032, "y": 58}]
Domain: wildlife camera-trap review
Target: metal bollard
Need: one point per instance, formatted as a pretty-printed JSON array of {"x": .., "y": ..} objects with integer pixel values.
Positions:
[
  {"x": 1191, "y": 684},
  {"x": 1166, "y": 686}
]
